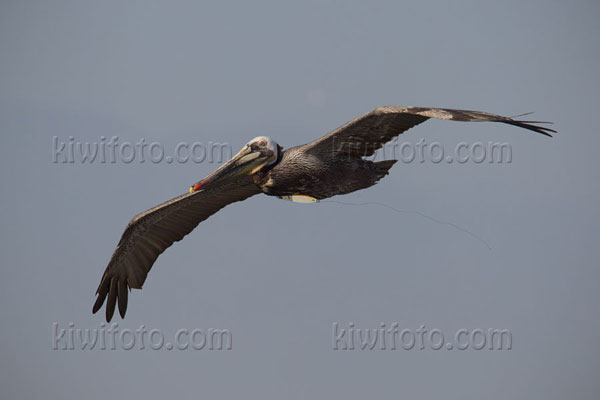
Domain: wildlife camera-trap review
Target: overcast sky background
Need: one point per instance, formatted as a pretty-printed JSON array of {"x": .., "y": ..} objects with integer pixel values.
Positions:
[{"x": 277, "y": 274}]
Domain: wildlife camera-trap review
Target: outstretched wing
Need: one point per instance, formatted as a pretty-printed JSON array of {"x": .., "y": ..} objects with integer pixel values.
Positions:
[
  {"x": 366, "y": 134},
  {"x": 153, "y": 231}
]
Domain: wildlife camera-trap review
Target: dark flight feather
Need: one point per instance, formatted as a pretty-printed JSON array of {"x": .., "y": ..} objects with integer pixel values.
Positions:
[
  {"x": 364, "y": 135},
  {"x": 153, "y": 231}
]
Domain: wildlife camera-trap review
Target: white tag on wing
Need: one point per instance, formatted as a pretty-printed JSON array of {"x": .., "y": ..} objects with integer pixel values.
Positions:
[{"x": 300, "y": 198}]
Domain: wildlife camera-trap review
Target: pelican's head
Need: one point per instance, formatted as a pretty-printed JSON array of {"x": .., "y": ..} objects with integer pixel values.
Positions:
[
  {"x": 258, "y": 153},
  {"x": 267, "y": 147}
]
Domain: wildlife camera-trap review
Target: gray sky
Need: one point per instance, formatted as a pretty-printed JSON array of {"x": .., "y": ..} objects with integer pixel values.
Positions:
[{"x": 277, "y": 274}]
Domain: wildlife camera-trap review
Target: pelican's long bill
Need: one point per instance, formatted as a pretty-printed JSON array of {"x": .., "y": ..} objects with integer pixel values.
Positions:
[{"x": 246, "y": 162}]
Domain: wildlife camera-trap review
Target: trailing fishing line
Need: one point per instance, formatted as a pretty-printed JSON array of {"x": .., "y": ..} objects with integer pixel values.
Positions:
[{"x": 399, "y": 211}]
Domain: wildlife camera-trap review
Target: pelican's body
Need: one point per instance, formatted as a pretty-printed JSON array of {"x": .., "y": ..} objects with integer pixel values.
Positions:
[
  {"x": 329, "y": 166},
  {"x": 321, "y": 175}
]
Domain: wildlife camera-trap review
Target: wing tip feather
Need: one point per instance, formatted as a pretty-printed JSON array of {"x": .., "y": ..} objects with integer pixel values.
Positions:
[{"x": 529, "y": 125}]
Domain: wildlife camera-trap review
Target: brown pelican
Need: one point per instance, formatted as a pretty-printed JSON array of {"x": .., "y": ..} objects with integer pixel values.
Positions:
[{"x": 331, "y": 165}]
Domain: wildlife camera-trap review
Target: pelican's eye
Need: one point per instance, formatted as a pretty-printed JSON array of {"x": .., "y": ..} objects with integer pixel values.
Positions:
[{"x": 262, "y": 143}]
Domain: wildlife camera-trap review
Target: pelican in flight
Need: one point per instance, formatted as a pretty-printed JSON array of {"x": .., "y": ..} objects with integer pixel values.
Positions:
[{"x": 334, "y": 164}]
